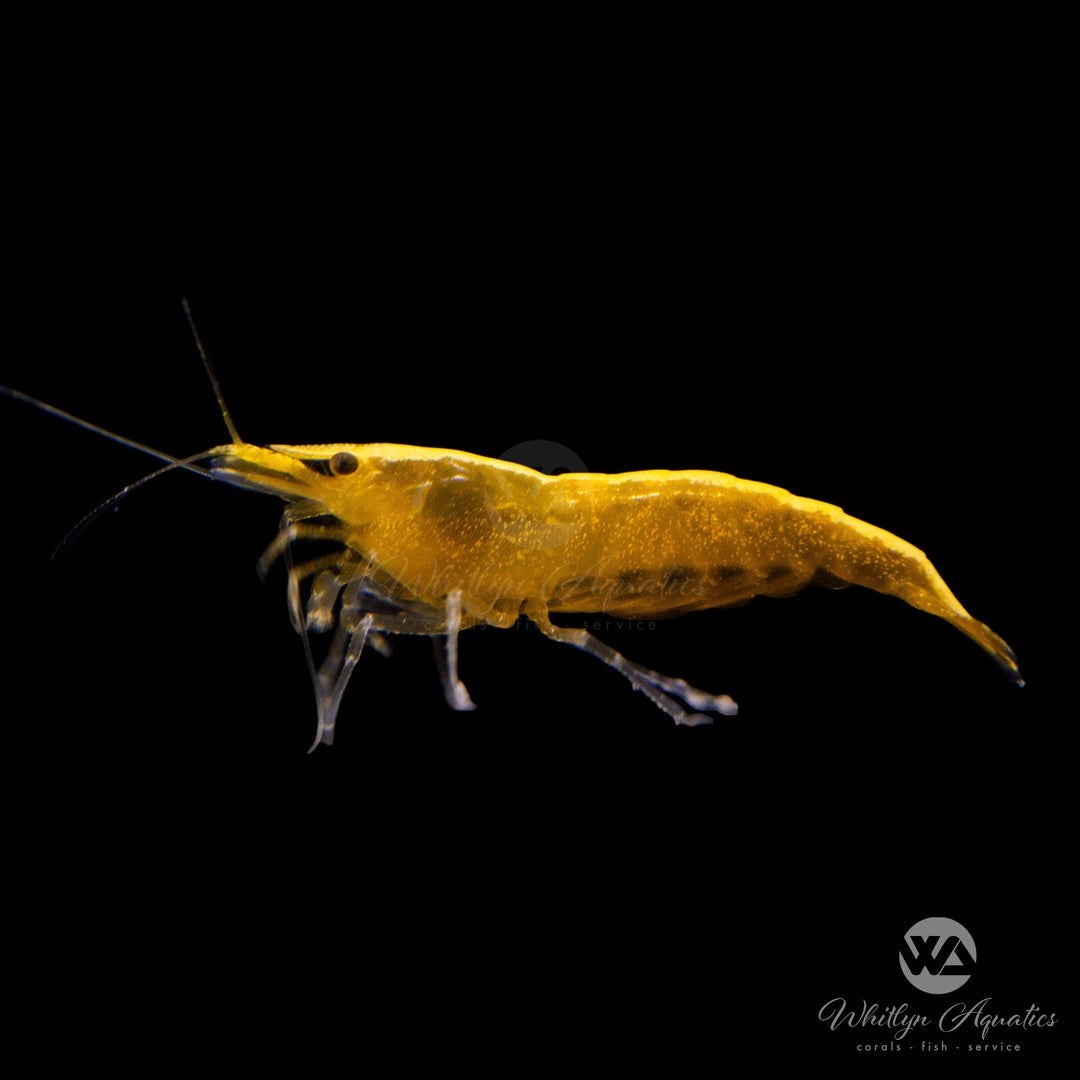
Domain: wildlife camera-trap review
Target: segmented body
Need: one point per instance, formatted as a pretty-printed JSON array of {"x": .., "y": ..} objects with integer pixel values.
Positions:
[
  {"x": 431, "y": 542},
  {"x": 435, "y": 541}
]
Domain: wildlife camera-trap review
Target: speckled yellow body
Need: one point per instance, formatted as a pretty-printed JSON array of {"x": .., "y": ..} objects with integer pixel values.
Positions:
[{"x": 511, "y": 541}]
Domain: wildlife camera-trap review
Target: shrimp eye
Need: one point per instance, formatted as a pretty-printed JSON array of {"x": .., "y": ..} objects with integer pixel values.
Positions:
[{"x": 343, "y": 463}]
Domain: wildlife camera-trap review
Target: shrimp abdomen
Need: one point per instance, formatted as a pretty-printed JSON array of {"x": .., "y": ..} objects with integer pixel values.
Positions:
[
  {"x": 863, "y": 554},
  {"x": 693, "y": 540}
]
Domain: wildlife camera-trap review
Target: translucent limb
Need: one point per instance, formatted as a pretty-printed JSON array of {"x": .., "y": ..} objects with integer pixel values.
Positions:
[
  {"x": 457, "y": 697},
  {"x": 656, "y": 687},
  {"x": 290, "y": 533},
  {"x": 333, "y": 677}
]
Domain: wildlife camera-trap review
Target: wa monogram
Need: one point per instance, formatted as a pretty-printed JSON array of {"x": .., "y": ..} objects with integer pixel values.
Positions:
[{"x": 937, "y": 955}]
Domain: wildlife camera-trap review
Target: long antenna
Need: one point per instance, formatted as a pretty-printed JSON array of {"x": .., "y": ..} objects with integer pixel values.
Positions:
[
  {"x": 76, "y": 531},
  {"x": 233, "y": 433},
  {"x": 54, "y": 411},
  {"x": 187, "y": 464}
]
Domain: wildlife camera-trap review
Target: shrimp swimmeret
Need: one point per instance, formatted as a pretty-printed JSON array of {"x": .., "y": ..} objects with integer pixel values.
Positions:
[{"x": 432, "y": 542}]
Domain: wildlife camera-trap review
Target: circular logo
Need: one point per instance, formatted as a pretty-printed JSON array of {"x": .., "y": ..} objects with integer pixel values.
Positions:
[
  {"x": 545, "y": 456},
  {"x": 937, "y": 956},
  {"x": 514, "y": 520}
]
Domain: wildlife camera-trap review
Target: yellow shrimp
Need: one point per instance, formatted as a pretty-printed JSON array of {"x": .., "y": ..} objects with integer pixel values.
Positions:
[{"x": 434, "y": 541}]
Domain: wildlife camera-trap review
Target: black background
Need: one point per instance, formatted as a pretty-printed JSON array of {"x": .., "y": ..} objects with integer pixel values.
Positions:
[{"x": 845, "y": 295}]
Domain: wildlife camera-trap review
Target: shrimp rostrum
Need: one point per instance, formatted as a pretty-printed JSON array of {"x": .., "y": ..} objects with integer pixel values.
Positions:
[
  {"x": 431, "y": 541},
  {"x": 415, "y": 540}
]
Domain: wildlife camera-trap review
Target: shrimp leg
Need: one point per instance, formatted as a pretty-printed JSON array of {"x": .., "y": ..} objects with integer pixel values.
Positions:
[
  {"x": 443, "y": 629},
  {"x": 656, "y": 687},
  {"x": 334, "y": 675},
  {"x": 457, "y": 697}
]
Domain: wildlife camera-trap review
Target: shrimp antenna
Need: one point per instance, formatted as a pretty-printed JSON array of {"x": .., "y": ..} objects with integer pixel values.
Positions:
[
  {"x": 187, "y": 464},
  {"x": 233, "y": 433},
  {"x": 76, "y": 531},
  {"x": 52, "y": 410}
]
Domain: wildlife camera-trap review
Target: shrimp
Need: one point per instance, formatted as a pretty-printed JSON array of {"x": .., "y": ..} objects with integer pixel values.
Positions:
[{"x": 425, "y": 541}]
